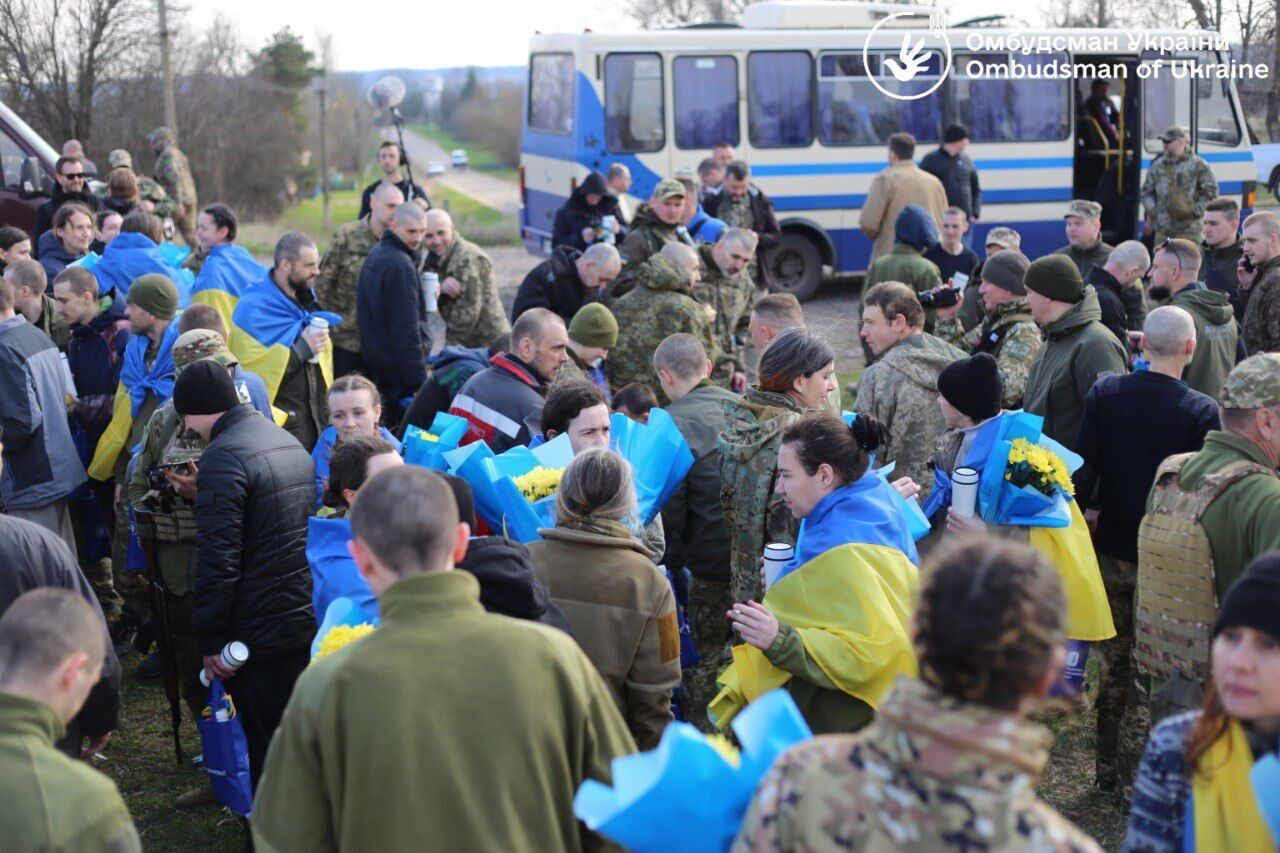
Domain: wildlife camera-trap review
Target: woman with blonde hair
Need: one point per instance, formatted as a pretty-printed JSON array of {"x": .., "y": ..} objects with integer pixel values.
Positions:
[
  {"x": 620, "y": 605},
  {"x": 355, "y": 408}
]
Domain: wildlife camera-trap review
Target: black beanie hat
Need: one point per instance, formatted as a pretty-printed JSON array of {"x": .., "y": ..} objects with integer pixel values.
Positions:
[
  {"x": 973, "y": 386},
  {"x": 204, "y": 388},
  {"x": 1253, "y": 601},
  {"x": 955, "y": 133}
]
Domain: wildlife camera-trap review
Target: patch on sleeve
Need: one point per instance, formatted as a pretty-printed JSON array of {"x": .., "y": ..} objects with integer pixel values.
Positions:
[{"x": 668, "y": 637}]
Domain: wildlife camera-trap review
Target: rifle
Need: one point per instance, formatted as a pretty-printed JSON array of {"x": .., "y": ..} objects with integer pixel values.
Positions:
[{"x": 164, "y": 639}]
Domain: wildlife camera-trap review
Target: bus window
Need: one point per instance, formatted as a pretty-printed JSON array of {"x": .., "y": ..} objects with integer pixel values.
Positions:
[
  {"x": 852, "y": 111},
  {"x": 1168, "y": 102},
  {"x": 551, "y": 93},
  {"x": 706, "y": 100},
  {"x": 780, "y": 99},
  {"x": 634, "y": 116},
  {"x": 1216, "y": 124},
  {"x": 997, "y": 109}
]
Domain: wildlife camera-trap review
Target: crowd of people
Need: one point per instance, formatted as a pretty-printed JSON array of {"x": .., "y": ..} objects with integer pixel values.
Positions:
[{"x": 169, "y": 448}]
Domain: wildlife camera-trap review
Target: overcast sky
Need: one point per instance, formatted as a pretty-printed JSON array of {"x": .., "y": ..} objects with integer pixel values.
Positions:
[{"x": 446, "y": 33}]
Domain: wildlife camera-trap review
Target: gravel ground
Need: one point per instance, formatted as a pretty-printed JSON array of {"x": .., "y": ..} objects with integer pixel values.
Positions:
[{"x": 833, "y": 311}]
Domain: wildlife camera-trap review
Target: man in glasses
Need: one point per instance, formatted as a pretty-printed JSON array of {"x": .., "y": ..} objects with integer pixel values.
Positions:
[{"x": 72, "y": 186}]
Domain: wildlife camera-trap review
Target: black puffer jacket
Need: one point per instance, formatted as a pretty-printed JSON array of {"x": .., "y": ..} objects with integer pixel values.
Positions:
[
  {"x": 554, "y": 284},
  {"x": 959, "y": 178},
  {"x": 255, "y": 492},
  {"x": 577, "y": 214},
  {"x": 507, "y": 584}
]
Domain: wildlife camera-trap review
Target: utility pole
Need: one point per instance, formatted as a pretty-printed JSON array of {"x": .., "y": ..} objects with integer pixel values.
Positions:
[
  {"x": 170, "y": 105},
  {"x": 324, "y": 150}
]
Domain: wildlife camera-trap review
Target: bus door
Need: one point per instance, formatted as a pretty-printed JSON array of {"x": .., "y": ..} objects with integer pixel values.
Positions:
[{"x": 1107, "y": 166}]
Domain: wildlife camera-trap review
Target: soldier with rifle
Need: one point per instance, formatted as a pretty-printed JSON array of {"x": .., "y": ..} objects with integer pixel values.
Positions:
[{"x": 162, "y": 492}]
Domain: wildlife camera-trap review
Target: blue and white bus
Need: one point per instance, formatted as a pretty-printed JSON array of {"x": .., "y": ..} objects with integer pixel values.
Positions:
[{"x": 799, "y": 90}]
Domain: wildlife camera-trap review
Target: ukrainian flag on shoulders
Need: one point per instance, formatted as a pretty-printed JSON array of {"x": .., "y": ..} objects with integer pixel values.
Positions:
[
  {"x": 264, "y": 326},
  {"x": 136, "y": 381},
  {"x": 227, "y": 273},
  {"x": 851, "y": 606}
]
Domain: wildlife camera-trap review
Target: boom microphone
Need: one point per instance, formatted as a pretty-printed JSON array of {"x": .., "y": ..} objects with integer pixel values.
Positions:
[{"x": 387, "y": 93}]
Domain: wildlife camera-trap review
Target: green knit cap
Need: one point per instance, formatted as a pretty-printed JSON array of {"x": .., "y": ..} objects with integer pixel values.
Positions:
[
  {"x": 155, "y": 294},
  {"x": 1055, "y": 277},
  {"x": 594, "y": 326}
]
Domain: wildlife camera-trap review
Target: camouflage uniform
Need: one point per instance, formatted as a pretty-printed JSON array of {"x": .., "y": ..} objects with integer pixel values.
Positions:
[
  {"x": 148, "y": 190},
  {"x": 737, "y": 213},
  {"x": 1261, "y": 326},
  {"x": 646, "y": 237},
  {"x": 732, "y": 298},
  {"x": 931, "y": 773},
  {"x": 476, "y": 317},
  {"x": 165, "y": 441},
  {"x": 173, "y": 172},
  {"x": 754, "y": 514},
  {"x": 901, "y": 391},
  {"x": 661, "y": 305},
  {"x": 1174, "y": 195},
  {"x": 1121, "y": 732},
  {"x": 1010, "y": 335},
  {"x": 340, "y": 274}
]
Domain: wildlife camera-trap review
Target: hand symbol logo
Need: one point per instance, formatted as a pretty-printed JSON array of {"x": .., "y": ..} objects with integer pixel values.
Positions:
[{"x": 911, "y": 60}]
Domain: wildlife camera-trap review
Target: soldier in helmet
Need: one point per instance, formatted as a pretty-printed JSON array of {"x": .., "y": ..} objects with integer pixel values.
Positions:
[
  {"x": 1178, "y": 186},
  {"x": 151, "y": 196},
  {"x": 173, "y": 172}
]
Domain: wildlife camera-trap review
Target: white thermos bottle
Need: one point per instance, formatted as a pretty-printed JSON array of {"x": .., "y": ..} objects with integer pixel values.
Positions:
[
  {"x": 234, "y": 655},
  {"x": 964, "y": 491}
]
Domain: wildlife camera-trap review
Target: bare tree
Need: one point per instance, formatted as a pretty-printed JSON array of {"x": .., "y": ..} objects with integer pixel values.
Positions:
[{"x": 56, "y": 55}]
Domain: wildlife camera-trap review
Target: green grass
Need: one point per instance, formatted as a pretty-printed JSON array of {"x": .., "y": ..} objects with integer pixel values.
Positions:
[
  {"x": 478, "y": 156},
  {"x": 478, "y": 223},
  {"x": 140, "y": 760}
]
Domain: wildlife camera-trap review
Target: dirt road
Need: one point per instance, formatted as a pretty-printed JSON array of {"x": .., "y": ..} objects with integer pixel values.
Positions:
[{"x": 490, "y": 191}]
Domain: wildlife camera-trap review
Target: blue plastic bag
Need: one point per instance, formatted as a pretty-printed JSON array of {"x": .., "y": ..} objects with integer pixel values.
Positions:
[
  {"x": 226, "y": 752},
  {"x": 446, "y": 431}
]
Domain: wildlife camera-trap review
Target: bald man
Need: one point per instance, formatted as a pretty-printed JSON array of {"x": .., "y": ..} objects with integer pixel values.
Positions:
[
  {"x": 469, "y": 302},
  {"x": 340, "y": 273},
  {"x": 392, "y": 312},
  {"x": 1131, "y": 424}
]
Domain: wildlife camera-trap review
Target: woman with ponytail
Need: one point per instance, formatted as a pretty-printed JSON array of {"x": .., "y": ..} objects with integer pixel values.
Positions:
[
  {"x": 832, "y": 626},
  {"x": 796, "y": 374},
  {"x": 1210, "y": 779}
]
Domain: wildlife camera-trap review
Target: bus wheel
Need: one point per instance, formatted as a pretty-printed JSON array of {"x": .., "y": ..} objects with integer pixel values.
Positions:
[{"x": 796, "y": 266}]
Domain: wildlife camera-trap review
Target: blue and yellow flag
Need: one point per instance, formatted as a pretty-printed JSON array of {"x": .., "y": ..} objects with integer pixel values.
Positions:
[
  {"x": 852, "y": 608},
  {"x": 129, "y": 257},
  {"x": 136, "y": 381},
  {"x": 227, "y": 273},
  {"x": 264, "y": 326}
]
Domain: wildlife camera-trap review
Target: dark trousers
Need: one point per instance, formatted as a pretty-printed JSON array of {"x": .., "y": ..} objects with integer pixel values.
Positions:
[
  {"x": 346, "y": 362},
  {"x": 260, "y": 690}
]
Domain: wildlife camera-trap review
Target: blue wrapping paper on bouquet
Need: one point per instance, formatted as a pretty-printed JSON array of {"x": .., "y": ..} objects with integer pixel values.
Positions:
[
  {"x": 333, "y": 573},
  {"x": 659, "y": 455},
  {"x": 1002, "y": 503},
  {"x": 341, "y": 611},
  {"x": 427, "y": 447},
  {"x": 498, "y": 500},
  {"x": 686, "y": 795}
]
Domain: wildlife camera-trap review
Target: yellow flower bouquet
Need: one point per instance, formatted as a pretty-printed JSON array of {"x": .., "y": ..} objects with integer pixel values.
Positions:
[
  {"x": 1038, "y": 467},
  {"x": 340, "y": 636},
  {"x": 539, "y": 483}
]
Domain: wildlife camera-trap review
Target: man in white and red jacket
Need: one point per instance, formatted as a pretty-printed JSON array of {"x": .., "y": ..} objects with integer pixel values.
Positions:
[{"x": 504, "y": 401}]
